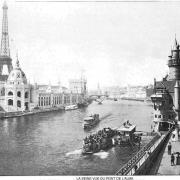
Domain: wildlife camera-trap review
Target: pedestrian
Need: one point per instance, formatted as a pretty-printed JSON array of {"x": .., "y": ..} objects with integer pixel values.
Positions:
[
  {"x": 135, "y": 168},
  {"x": 172, "y": 159},
  {"x": 169, "y": 148}
]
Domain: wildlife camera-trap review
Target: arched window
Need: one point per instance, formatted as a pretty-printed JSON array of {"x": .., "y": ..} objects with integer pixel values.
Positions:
[
  {"x": 39, "y": 101},
  {"x": 19, "y": 94},
  {"x": 44, "y": 100},
  {"x": 10, "y": 93},
  {"x": 3, "y": 91},
  {"x": 18, "y": 103},
  {"x": 49, "y": 101},
  {"x": 26, "y": 104},
  {"x": 10, "y": 102},
  {"x": 26, "y": 95},
  {"x": 57, "y": 99}
]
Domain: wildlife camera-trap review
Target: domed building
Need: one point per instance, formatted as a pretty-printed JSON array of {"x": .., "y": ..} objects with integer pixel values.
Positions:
[{"x": 17, "y": 91}]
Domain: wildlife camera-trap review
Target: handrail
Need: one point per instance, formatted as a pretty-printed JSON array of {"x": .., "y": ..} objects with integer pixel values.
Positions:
[{"x": 134, "y": 160}]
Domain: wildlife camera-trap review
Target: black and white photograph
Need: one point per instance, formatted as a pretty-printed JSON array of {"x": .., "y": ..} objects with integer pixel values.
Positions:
[{"x": 90, "y": 88}]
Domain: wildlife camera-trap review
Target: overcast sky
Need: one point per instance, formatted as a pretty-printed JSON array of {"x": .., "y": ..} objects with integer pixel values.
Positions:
[{"x": 115, "y": 43}]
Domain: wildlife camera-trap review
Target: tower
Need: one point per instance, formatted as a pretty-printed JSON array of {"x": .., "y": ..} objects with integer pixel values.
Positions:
[
  {"x": 5, "y": 59},
  {"x": 174, "y": 63}
]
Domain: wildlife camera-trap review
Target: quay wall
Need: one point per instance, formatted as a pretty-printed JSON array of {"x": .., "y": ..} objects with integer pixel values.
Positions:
[
  {"x": 4, "y": 115},
  {"x": 151, "y": 164},
  {"x": 133, "y": 99}
]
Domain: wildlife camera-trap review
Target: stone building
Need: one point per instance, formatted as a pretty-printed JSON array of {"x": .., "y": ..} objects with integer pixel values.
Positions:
[
  {"x": 17, "y": 91},
  {"x": 47, "y": 96},
  {"x": 166, "y": 95},
  {"x": 78, "y": 86}
]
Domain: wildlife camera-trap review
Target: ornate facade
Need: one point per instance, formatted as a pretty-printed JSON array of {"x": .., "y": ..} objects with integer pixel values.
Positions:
[{"x": 17, "y": 91}]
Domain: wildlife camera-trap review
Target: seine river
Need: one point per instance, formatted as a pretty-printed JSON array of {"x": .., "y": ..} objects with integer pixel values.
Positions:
[{"x": 50, "y": 143}]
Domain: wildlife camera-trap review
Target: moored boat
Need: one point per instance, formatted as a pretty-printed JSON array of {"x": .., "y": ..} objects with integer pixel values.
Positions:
[
  {"x": 126, "y": 134},
  {"x": 83, "y": 104},
  {"x": 71, "y": 107}
]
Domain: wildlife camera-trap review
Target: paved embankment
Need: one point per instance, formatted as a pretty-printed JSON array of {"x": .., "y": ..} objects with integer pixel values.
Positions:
[
  {"x": 4, "y": 115},
  {"x": 165, "y": 167}
]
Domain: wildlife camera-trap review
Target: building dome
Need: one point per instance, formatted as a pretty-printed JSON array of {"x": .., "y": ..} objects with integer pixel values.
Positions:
[{"x": 17, "y": 76}]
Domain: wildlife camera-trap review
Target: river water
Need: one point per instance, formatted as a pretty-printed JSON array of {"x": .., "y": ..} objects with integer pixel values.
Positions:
[{"x": 50, "y": 143}]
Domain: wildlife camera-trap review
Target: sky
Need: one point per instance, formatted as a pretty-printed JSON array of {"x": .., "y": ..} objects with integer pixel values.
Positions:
[{"x": 115, "y": 44}]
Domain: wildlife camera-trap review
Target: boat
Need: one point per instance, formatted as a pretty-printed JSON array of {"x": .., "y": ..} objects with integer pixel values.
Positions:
[
  {"x": 71, "y": 107},
  {"x": 97, "y": 142},
  {"x": 109, "y": 137},
  {"x": 83, "y": 104},
  {"x": 127, "y": 135},
  {"x": 91, "y": 121}
]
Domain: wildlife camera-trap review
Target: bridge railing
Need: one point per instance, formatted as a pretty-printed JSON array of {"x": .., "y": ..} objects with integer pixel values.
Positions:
[{"x": 135, "y": 162}]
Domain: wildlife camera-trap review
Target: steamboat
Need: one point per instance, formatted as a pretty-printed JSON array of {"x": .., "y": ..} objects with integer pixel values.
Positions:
[
  {"x": 109, "y": 137},
  {"x": 91, "y": 121}
]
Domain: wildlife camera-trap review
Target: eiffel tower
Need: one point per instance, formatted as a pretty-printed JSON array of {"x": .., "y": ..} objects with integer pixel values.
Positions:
[{"x": 5, "y": 59}]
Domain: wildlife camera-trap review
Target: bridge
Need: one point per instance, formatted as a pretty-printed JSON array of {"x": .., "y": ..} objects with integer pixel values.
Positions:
[{"x": 98, "y": 97}]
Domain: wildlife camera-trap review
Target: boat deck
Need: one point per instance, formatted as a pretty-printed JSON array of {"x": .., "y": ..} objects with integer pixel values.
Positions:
[{"x": 165, "y": 167}]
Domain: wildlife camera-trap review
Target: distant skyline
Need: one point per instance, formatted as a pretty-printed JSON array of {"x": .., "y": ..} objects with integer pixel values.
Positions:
[{"x": 115, "y": 43}]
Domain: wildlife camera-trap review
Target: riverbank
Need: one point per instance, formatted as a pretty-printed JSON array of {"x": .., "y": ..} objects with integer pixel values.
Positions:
[
  {"x": 133, "y": 99},
  {"x": 4, "y": 115}
]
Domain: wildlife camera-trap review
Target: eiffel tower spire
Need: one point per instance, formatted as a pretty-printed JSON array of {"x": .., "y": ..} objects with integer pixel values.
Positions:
[
  {"x": 5, "y": 51},
  {"x": 5, "y": 60}
]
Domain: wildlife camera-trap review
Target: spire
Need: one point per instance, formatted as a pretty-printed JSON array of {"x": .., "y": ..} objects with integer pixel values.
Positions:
[
  {"x": 171, "y": 52},
  {"x": 175, "y": 43},
  {"x": 17, "y": 60},
  {"x": 5, "y": 5},
  {"x": 5, "y": 51}
]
